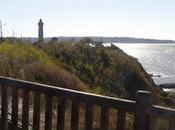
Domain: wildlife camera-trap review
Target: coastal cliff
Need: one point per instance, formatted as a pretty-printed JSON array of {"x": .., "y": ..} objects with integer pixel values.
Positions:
[
  {"x": 105, "y": 70},
  {"x": 79, "y": 65}
]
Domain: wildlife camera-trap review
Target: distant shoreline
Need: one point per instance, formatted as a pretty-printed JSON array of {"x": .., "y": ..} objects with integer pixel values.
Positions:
[{"x": 103, "y": 39}]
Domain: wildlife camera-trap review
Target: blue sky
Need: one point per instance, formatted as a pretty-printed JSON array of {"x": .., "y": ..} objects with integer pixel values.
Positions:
[{"x": 131, "y": 18}]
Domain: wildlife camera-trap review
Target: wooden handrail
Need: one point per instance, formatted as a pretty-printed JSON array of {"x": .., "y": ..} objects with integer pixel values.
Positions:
[
  {"x": 143, "y": 110},
  {"x": 69, "y": 93},
  {"x": 163, "y": 112}
]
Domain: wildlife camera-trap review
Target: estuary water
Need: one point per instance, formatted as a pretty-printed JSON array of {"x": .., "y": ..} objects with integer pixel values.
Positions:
[{"x": 157, "y": 59}]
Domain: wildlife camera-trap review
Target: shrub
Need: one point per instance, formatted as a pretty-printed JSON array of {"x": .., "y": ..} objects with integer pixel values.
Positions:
[{"x": 24, "y": 61}]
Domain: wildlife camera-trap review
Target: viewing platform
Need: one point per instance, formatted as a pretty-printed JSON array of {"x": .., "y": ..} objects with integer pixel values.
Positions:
[{"x": 45, "y": 107}]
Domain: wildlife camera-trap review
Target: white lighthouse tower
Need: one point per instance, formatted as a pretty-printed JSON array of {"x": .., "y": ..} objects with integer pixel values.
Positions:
[{"x": 40, "y": 31}]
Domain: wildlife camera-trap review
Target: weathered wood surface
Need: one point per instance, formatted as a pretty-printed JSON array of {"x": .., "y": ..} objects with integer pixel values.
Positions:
[
  {"x": 121, "y": 119},
  {"x": 4, "y": 107},
  {"x": 25, "y": 110},
  {"x": 36, "y": 112},
  {"x": 61, "y": 114},
  {"x": 48, "y": 113},
  {"x": 104, "y": 117},
  {"x": 145, "y": 112},
  {"x": 163, "y": 112},
  {"x": 171, "y": 125},
  {"x": 14, "y": 109},
  {"x": 167, "y": 85},
  {"x": 88, "y": 116},
  {"x": 74, "y": 114},
  {"x": 68, "y": 93}
]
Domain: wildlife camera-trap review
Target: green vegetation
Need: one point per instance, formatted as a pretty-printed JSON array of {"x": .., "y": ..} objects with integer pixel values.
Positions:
[
  {"x": 24, "y": 61},
  {"x": 82, "y": 66},
  {"x": 106, "y": 70}
]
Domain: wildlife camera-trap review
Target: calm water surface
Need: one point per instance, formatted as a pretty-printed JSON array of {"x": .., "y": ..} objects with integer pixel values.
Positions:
[{"x": 157, "y": 59}]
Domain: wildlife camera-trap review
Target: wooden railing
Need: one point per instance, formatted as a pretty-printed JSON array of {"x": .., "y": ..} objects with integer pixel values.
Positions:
[{"x": 143, "y": 111}]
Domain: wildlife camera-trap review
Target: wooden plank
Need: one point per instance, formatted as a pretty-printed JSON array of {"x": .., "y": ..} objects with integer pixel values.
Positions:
[
  {"x": 61, "y": 113},
  {"x": 48, "y": 113},
  {"x": 36, "y": 112},
  {"x": 14, "y": 109},
  {"x": 82, "y": 96},
  {"x": 121, "y": 119},
  {"x": 104, "y": 118},
  {"x": 163, "y": 112},
  {"x": 89, "y": 117},
  {"x": 95, "y": 99},
  {"x": 152, "y": 122},
  {"x": 25, "y": 110},
  {"x": 74, "y": 114},
  {"x": 4, "y": 108},
  {"x": 172, "y": 125},
  {"x": 143, "y": 113}
]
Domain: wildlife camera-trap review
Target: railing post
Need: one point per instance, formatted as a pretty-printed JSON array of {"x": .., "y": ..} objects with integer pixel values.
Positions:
[
  {"x": 143, "y": 111},
  {"x": 4, "y": 107}
]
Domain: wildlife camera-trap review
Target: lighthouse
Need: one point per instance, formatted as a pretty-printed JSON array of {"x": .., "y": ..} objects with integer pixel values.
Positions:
[{"x": 40, "y": 31}]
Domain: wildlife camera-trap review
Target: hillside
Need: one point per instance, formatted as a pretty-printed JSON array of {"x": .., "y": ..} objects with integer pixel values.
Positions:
[
  {"x": 24, "y": 61},
  {"x": 78, "y": 65},
  {"x": 106, "y": 70}
]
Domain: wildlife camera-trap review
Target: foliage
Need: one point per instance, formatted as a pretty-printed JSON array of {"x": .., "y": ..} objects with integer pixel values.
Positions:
[
  {"x": 77, "y": 65},
  {"x": 106, "y": 70},
  {"x": 24, "y": 61},
  {"x": 82, "y": 66}
]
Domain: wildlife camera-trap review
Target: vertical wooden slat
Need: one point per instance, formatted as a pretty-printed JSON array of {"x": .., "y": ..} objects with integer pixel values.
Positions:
[
  {"x": 74, "y": 114},
  {"x": 25, "y": 110},
  {"x": 89, "y": 117},
  {"x": 104, "y": 118},
  {"x": 36, "y": 113},
  {"x": 172, "y": 125},
  {"x": 48, "y": 113},
  {"x": 152, "y": 122},
  {"x": 4, "y": 111},
  {"x": 14, "y": 108},
  {"x": 121, "y": 118},
  {"x": 143, "y": 116},
  {"x": 61, "y": 113}
]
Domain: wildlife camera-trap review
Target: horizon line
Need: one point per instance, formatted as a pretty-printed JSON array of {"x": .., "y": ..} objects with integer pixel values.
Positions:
[{"x": 86, "y": 36}]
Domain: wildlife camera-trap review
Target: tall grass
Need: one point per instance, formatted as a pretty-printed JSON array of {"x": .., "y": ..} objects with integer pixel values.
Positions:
[{"x": 24, "y": 61}]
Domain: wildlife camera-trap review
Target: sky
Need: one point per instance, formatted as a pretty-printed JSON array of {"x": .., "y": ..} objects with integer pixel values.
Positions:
[{"x": 122, "y": 18}]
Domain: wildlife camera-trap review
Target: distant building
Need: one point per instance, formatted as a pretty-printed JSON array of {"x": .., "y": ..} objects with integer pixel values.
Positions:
[{"x": 40, "y": 31}]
